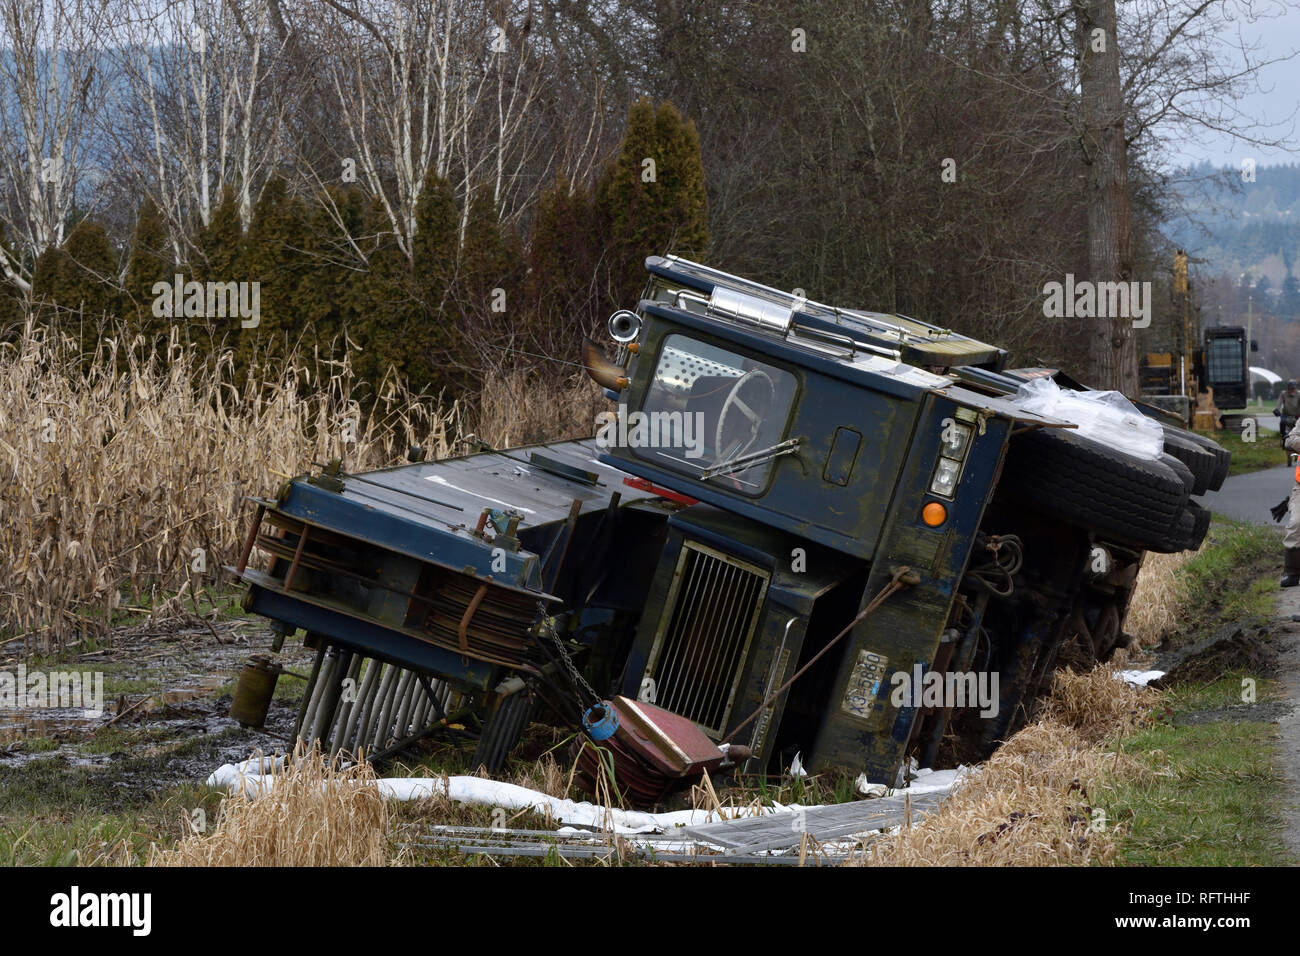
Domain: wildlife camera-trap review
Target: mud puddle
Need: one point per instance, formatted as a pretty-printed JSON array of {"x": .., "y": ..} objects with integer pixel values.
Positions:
[{"x": 165, "y": 709}]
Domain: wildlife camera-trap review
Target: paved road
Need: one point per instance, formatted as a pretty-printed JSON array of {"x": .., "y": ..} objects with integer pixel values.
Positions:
[
  {"x": 1248, "y": 497},
  {"x": 1267, "y": 421}
]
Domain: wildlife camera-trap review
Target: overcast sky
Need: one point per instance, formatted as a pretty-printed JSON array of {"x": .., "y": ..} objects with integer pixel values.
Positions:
[{"x": 1276, "y": 102}]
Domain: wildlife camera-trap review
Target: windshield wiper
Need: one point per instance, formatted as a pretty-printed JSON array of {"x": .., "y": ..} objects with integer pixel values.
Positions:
[{"x": 741, "y": 463}]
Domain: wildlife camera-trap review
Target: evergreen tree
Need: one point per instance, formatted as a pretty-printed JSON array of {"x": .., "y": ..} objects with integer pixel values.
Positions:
[
  {"x": 218, "y": 255},
  {"x": 1290, "y": 304},
  {"x": 76, "y": 284},
  {"x": 429, "y": 322},
  {"x": 380, "y": 305},
  {"x": 564, "y": 254},
  {"x": 652, "y": 197},
  {"x": 148, "y": 262},
  {"x": 487, "y": 292},
  {"x": 323, "y": 299},
  {"x": 275, "y": 258}
]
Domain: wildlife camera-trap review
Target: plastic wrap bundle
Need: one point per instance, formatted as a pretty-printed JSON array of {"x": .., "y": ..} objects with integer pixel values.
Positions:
[{"x": 1105, "y": 417}]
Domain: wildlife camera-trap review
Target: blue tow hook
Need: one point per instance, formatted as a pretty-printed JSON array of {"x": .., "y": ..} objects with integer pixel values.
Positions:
[{"x": 600, "y": 721}]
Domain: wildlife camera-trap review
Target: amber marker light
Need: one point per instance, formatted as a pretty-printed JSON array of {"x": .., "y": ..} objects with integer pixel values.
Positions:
[{"x": 934, "y": 514}]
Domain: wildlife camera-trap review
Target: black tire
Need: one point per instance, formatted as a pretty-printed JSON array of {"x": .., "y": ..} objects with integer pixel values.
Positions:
[
  {"x": 1202, "y": 526},
  {"x": 1182, "y": 471},
  {"x": 1188, "y": 532},
  {"x": 1085, "y": 483},
  {"x": 1199, "y": 461},
  {"x": 1222, "y": 457}
]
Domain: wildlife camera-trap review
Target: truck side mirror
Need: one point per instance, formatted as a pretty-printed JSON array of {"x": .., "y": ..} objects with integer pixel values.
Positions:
[{"x": 1254, "y": 345}]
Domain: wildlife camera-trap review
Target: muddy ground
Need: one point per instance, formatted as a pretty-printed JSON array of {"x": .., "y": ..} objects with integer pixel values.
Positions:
[{"x": 167, "y": 692}]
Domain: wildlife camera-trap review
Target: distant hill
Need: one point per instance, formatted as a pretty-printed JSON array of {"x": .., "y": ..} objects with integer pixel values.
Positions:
[{"x": 1232, "y": 226}]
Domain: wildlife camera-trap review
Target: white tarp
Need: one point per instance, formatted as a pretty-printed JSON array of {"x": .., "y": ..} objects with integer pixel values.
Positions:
[
  {"x": 255, "y": 778},
  {"x": 1138, "y": 678}
]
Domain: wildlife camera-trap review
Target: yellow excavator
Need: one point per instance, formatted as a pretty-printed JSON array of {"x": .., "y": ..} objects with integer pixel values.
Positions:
[{"x": 1198, "y": 382}]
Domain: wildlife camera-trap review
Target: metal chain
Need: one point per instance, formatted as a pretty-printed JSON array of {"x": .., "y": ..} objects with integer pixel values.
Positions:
[{"x": 547, "y": 627}]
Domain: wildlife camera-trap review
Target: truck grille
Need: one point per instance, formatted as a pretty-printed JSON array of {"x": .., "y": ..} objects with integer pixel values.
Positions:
[{"x": 700, "y": 649}]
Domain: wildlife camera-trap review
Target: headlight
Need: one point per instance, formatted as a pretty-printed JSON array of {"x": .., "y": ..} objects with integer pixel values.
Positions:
[
  {"x": 956, "y": 439},
  {"x": 945, "y": 477}
]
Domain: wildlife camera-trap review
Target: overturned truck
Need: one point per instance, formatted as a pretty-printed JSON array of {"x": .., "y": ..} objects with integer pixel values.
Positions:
[{"x": 794, "y": 522}]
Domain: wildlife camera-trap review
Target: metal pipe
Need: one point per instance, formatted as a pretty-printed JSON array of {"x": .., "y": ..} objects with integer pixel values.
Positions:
[
  {"x": 373, "y": 674},
  {"x": 419, "y": 734},
  {"x": 383, "y": 727},
  {"x": 297, "y": 556},
  {"x": 364, "y": 695},
  {"x": 308, "y": 732},
  {"x": 329, "y": 703},
  {"x": 405, "y": 694},
  {"x": 308, "y": 691},
  {"x": 345, "y": 706},
  {"x": 368, "y": 728},
  {"x": 249, "y": 539}
]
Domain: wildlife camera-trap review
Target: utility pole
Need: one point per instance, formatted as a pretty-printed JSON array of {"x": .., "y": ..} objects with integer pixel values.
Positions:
[{"x": 1180, "y": 290}]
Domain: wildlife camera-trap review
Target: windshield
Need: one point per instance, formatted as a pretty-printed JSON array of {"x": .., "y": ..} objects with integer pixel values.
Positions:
[{"x": 708, "y": 406}]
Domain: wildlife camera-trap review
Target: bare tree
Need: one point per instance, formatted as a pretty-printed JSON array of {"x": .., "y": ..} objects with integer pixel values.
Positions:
[
  {"x": 426, "y": 89},
  {"x": 1155, "y": 71},
  {"x": 1112, "y": 349},
  {"x": 51, "y": 88},
  {"x": 194, "y": 116}
]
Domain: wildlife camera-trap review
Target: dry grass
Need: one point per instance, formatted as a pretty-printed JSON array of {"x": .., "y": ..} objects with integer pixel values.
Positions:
[
  {"x": 317, "y": 814},
  {"x": 1040, "y": 800},
  {"x": 522, "y": 407},
  {"x": 114, "y": 468},
  {"x": 1157, "y": 599},
  {"x": 1096, "y": 705}
]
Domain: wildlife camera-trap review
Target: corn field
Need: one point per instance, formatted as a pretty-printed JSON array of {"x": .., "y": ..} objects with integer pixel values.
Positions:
[{"x": 123, "y": 473}]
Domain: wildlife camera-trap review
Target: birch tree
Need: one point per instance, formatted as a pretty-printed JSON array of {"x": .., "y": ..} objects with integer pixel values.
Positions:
[
  {"x": 51, "y": 88},
  {"x": 427, "y": 90},
  {"x": 195, "y": 115}
]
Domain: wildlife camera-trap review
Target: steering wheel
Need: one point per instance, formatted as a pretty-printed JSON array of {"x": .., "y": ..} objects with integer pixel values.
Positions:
[{"x": 751, "y": 398}]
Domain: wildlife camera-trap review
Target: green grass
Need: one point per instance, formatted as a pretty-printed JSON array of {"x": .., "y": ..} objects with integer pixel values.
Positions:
[
  {"x": 1215, "y": 798},
  {"x": 53, "y": 813},
  {"x": 1247, "y": 456},
  {"x": 1230, "y": 580},
  {"x": 38, "y": 745},
  {"x": 82, "y": 834}
]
